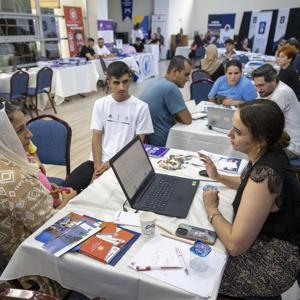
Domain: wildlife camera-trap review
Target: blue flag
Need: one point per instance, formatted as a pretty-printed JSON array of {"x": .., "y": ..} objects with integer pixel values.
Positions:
[{"x": 126, "y": 6}]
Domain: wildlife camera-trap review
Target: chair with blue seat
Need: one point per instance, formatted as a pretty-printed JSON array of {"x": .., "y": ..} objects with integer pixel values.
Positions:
[
  {"x": 243, "y": 58},
  {"x": 18, "y": 89},
  {"x": 200, "y": 89},
  {"x": 52, "y": 136},
  {"x": 200, "y": 74},
  {"x": 43, "y": 85}
]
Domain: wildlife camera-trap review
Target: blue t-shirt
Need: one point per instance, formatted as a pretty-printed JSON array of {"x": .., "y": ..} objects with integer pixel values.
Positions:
[
  {"x": 243, "y": 90},
  {"x": 164, "y": 100}
]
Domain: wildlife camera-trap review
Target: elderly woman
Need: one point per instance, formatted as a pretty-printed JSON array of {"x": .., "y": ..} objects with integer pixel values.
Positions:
[
  {"x": 211, "y": 64},
  {"x": 25, "y": 204},
  {"x": 233, "y": 88},
  {"x": 287, "y": 73},
  {"x": 264, "y": 238}
]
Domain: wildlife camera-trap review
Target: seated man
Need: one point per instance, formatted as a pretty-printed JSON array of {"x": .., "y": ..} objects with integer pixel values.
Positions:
[
  {"x": 229, "y": 54},
  {"x": 138, "y": 45},
  {"x": 268, "y": 86},
  {"x": 88, "y": 51},
  {"x": 165, "y": 100},
  {"x": 116, "y": 120},
  {"x": 101, "y": 49}
]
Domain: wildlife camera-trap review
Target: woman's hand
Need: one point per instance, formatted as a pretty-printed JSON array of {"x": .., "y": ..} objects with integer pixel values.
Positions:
[
  {"x": 211, "y": 199},
  {"x": 99, "y": 171},
  {"x": 210, "y": 166},
  {"x": 68, "y": 195}
]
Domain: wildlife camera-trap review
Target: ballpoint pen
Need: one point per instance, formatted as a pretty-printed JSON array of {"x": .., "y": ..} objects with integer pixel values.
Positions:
[
  {"x": 182, "y": 261},
  {"x": 150, "y": 268}
]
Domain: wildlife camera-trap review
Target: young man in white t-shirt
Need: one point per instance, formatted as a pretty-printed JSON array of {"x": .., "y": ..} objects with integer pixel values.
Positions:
[{"x": 116, "y": 120}]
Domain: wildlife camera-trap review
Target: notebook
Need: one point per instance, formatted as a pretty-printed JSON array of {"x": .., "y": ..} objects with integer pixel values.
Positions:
[
  {"x": 194, "y": 111},
  {"x": 146, "y": 190},
  {"x": 220, "y": 116}
]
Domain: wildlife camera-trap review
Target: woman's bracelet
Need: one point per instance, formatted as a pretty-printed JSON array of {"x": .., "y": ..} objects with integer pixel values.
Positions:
[{"x": 211, "y": 217}]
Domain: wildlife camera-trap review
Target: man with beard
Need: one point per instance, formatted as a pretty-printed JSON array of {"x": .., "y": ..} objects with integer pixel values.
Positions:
[{"x": 268, "y": 86}]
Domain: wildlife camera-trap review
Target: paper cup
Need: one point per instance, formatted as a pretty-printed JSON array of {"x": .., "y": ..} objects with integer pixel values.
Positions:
[{"x": 147, "y": 220}]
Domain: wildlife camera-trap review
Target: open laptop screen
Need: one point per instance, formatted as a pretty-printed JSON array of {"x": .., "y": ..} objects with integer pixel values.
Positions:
[{"x": 132, "y": 166}]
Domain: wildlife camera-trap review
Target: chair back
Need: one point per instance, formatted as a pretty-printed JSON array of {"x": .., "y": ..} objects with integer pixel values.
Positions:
[
  {"x": 200, "y": 52},
  {"x": 19, "y": 85},
  {"x": 52, "y": 136},
  {"x": 243, "y": 58},
  {"x": 103, "y": 65},
  {"x": 44, "y": 80},
  {"x": 200, "y": 90},
  {"x": 199, "y": 74}
]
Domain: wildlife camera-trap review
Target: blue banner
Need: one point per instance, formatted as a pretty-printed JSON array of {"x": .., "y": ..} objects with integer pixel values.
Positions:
[{"x": 126, "y": 6}]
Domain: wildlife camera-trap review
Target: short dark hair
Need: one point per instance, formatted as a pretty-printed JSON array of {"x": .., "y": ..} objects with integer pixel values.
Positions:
[
  {"x": 233, "y": 63},
  {"x": 177, "y": 62},
  {"x": 294, "y": 42},
  {"x": 100, "y": 38},
  {"x": 265, "y": 121},
  {"x": 90, "y": 39},
  {"x": 117, "y": 69},
  {"x": 229, "y": 41},
  {"x": 266, "y": 71}
]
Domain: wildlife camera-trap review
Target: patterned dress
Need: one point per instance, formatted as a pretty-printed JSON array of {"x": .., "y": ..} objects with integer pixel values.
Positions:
[
  {"x": 270, "y": 266},
  {"x": 25, "y": 205}
]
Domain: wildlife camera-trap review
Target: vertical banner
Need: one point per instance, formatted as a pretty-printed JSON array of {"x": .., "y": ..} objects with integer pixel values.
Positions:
[
  {"x": 281, "y": 25},
  {"x": 75, "y": 29},
  {"x": 221, "y": 27},
  {"x": 252, "y": 26},
  {"x": 262, "y": 30},
  {"x": 106, "y": 31},
  {"x": 144, "y": 24},
  {"x": 227, "y": 28},
  {"x": 126, "y": 7}
]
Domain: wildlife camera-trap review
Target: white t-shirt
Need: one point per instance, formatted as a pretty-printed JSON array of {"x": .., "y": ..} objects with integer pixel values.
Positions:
[
  {"x": 136, "y": 34},
  {"x": 101, "y": 51},
  {"x": 287, "y": 100},
  {"x": 119, "y": 122}
]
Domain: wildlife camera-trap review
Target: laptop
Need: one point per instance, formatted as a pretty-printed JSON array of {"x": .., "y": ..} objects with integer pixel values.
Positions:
[
  {"x": 147, "y": 190},
  {"x": 220, "y": 116},
  {"x": 194, "y": 111}
]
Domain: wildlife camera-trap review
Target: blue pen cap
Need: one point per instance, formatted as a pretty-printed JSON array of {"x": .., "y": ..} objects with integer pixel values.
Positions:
[{"x": 200, "y": 249}]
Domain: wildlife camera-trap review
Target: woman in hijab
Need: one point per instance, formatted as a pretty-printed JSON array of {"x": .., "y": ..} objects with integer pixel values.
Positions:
[
  {"x": 25, "y": 204},
  {"x": 211, "y": 64}
]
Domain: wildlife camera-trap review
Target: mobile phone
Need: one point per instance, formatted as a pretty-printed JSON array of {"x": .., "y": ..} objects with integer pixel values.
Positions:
[{"x": 195, "y": 233}]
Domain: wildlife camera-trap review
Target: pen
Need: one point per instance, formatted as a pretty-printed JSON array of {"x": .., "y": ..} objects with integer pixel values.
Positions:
[
  {"x": 182, "y": 261},
  {"x": 150, "y": 268}
]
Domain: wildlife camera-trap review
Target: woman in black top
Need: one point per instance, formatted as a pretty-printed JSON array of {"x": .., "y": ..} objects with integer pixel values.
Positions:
[
  {"x": 287, "y": 73},
  {"x": 264, "y": 238}
]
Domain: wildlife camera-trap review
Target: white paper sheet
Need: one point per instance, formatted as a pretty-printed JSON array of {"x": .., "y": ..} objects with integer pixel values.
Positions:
[
  {"x": 160, "y": 250},
  {"x": 127, "y": 218}
]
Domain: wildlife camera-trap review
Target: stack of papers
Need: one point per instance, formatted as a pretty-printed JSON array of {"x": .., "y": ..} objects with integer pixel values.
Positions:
[{"x": 160, "y": 251}]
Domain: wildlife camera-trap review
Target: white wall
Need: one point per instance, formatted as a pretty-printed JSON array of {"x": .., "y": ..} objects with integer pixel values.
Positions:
[
  {"x": 140, "y": 8},
  {"x": 200, "y": 11}
]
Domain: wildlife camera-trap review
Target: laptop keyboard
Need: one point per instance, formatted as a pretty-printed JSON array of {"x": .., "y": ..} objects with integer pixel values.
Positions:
[{"x": 160, "y": 192}]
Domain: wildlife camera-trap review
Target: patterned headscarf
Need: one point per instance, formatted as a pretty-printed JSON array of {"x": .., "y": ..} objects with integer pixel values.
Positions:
[{"x": 11, "y": 148}]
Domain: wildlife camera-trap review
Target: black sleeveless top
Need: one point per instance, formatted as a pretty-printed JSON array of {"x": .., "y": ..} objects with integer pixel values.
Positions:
[{"x": 285, "y": 223}]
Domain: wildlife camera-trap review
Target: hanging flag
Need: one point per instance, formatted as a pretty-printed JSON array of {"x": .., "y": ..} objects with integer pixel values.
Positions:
[{"x": 126, "y": 6}]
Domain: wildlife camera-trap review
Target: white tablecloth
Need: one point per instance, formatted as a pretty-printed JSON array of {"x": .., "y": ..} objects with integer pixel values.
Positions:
[
  {"x": 197, "y": 136},
  {"x": 183, "y": 50},
  {"x": 154, "y": 49},
  {"x": 81, "y": 273}
]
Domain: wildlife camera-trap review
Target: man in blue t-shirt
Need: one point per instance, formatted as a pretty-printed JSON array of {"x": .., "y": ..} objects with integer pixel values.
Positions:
[
  {"x": 233, "y": 88},
  {"x": 165, "y": 100}
]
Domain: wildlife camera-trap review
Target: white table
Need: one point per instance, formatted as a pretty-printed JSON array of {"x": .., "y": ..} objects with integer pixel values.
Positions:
[
  {"x": 144, "y": 65},
  {"x": 154, "y": 49},
  {"x": 183, "y": 50},
  {"x": 92, "y": 278},
  {"x": 197, "y": 136}
]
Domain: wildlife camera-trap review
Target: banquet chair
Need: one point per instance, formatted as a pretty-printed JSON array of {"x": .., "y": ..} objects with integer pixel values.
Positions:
[
  {"x": 18, "y": 89},
  {"x": 199, "y": 90},
  {"x": 243, "y": 58},
  {"x": 103, "y": 81},
  {"x": 199, "y": 74},
  {"x": 43, "y": 85},
  {"x": 296, "y": 167},
  {"x": 52, "y": 136}
]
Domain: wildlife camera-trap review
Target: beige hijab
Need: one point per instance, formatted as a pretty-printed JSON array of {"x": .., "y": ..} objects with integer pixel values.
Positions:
[
  {"x": 210, "y": 63},
  {"x": 11, "y": 148}
]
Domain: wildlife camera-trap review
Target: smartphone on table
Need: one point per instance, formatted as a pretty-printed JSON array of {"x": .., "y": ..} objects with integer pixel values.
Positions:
[{"x": 195, "y": 233}]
